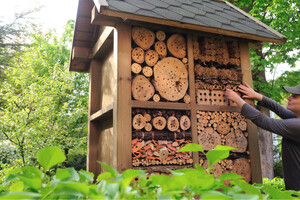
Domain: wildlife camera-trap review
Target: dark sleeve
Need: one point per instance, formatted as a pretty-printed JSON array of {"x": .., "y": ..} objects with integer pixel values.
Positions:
[
  {"x": 289, "y": 128},
  {"x": 281, "y": 111}
]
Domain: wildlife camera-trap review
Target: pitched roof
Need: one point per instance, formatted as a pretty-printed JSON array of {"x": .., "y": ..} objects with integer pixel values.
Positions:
[{"x": 217, "y": 14}]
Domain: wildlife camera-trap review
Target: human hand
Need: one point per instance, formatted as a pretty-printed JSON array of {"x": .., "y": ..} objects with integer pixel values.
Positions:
[
  {"x": 249, "y": 93},
  {"x": 233, "y": 96}
]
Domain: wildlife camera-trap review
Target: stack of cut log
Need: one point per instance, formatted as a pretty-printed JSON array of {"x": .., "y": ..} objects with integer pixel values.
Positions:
[
  {"x": 222, "y": 128},
  {"x": 159, "y": 120},
  {"x": 225, "y": 128},
  {"x": 216, "y": 49},
  {"x": 240, "y": 166},
  {"x": 157, "y": 135},
  {"x": 159, "y": 66},
  {"x": 212, "y": 78}
]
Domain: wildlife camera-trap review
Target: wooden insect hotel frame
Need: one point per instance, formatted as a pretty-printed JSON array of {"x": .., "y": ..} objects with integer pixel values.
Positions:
[{"x": 158, "y": 72}]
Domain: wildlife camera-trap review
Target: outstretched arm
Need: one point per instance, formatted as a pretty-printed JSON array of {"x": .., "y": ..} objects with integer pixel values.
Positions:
[{"x": 264, "y": 101}]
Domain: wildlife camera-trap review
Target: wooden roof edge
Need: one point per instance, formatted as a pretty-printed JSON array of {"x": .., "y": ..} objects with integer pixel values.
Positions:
[
  {"x": 284, "y": 39},
  {"x": 129, "y": 16},
  {"x": 71, "y": 54},
  {"x": 100, "y": 4}
]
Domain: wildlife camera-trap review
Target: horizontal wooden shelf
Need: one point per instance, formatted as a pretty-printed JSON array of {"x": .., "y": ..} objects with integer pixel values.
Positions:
[
  {"x": 218, "y": 108},
  {"x": 104, "y": 113},
  {"x": 160, "y": 105},
  {"x": 104, "y": 42}
]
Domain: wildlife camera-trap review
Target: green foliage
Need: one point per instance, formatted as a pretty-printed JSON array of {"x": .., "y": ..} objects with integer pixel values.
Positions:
[
  {"x": 282, "y": 16},
  {"x": 276, "y": 182},
  {"x": 43, "y": 103},
  {"x": 33, "y": 183}
]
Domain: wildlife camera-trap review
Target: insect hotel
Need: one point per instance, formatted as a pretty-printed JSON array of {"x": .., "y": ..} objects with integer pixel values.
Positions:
[{"x": 158, "y": 72}]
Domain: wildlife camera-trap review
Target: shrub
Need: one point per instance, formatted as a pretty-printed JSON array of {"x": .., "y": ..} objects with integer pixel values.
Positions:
[{"x": 34, "y": 183}]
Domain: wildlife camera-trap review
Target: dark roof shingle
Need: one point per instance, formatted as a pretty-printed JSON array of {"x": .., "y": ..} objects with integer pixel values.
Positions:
[{"x": 209, "y": 13}]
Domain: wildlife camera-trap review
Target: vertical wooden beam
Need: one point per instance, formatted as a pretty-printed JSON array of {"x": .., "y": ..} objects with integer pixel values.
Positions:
[
  {"x": 252, "y": 128},
  {"x": 94, "y": 127},
  {"x": 192, "y": 94},
  {"x": 122, "y": 103}
]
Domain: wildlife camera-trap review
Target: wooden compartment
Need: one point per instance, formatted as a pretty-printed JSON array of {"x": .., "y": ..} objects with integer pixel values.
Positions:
[
  {"x": 159, "y": 69},
  {"x": 157, "y": 135}
]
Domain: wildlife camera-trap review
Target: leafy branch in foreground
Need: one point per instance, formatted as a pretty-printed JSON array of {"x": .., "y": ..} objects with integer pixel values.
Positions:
[{"x": 34, "y": 183}]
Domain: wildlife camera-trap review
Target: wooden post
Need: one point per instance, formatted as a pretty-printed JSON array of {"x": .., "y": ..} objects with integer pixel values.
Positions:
[
  {"x": 192, "y": 89},
  {"x": 122, "y": 101},
  {"x": 252, "y": 128},
  {"x": 94, "y": 127}
]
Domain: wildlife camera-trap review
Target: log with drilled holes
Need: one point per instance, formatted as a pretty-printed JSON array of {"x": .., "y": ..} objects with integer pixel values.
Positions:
[
  {"x": 172, "y": 123},
  {"x": 163, "y": 153},
  {"x": 187, "y": 98},
  {"x": 143, "y": 37},
  {"x": 185, "y": 122},
  {"x": 156, "y": 98},
  {"x": 138, "y": 55},
  {"x": 160, "y": 35},
  {"x": 148, "y": 127},
  {"x": 237, "y": 140},
  {"x": 209, "y": 138},
  {"x": 159, "y": 123},
  {"x": 136, "y": 68},
  {"x": 147, "y": 71},
  {"x": 176, "y": 45},
  {"x": 147, "y": 117},
  {"x": 243, "y": 125},
  {"x": 170, "y": 78},
  {"x": 223, "y": 128},
  {"x": 241, "y": 167},
  {"x": 161, "y": 48},
  {"x": 142, "y": 89},
  {"x": 138, "y": 122},
  {"x": 151, "y": 57}
]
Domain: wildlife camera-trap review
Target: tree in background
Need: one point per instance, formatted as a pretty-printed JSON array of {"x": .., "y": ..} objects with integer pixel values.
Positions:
[
  {"x": 282, "y": 16},
  {"x": 43, "y": 103},
  {"x": 13, "y": 37}
]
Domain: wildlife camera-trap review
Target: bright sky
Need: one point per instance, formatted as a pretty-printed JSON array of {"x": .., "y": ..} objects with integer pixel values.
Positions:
[{"x": 54, "y": 13}]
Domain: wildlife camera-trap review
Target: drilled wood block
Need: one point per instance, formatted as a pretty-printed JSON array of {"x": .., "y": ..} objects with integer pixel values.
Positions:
[
  {"x": 203, "y": 97},
  {"x": 218, "y": 98}
]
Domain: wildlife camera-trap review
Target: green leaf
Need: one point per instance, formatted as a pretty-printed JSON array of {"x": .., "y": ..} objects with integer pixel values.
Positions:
[
  {"x": 31, "y": 177},
  {"x": 198, "y": 167},
  {"x": 20, "y": 195},
  {"x": 112, "y": 190},
  {"x": 214, "y": 195},
  {"x": 275, "y": 193},
  {"x": 217, "y": 154},
  {"x": 17, "y": 186},
  {"x": 48, "y": 157},
  {"x": 112, "y": 171},
  {"x": 191, "y": 147},
  {"x": 73, "y": 188},
  {"x": 86, "y": 176},
  {"x": 104, "y": 176},
  {"x": 67, "y": 174},
  {"x": 129, "y": 175},
  {"x": 245, "y": 196},
  {"x": 246, "y": 187},
  {"x": 230, "y": 176}
]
